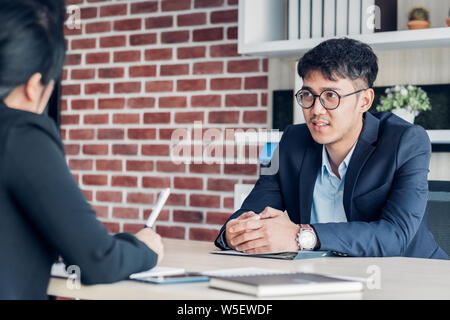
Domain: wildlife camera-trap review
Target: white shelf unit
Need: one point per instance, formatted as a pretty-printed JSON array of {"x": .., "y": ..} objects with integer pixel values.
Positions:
[{"x": 263, "y": 32}]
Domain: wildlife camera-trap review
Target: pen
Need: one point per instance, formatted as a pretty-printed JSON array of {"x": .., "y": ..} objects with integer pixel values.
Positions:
[{"x": 157, "y": 208}]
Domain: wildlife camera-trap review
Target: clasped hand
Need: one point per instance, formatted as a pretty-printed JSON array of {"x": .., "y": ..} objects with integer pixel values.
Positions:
[{"x": 269, "y": 231}]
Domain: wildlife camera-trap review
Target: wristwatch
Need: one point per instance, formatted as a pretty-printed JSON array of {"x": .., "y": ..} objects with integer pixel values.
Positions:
[{"x": 306, "y": 238}]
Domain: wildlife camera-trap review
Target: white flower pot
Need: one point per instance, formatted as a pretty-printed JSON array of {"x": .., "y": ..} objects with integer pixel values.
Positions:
[{"x": 405, "y": 114}]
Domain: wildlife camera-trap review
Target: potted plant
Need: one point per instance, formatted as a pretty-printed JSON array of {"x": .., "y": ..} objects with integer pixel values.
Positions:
[
  {"x": 405, "y": 101},
  {"x": 418, "y": 18}
]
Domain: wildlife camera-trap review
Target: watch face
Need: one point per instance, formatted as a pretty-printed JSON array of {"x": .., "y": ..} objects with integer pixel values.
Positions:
[{"x": 307, "y": 239}]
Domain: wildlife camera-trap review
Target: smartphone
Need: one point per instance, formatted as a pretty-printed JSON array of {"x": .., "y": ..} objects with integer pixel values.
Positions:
[{"x": 178, "y": 278}]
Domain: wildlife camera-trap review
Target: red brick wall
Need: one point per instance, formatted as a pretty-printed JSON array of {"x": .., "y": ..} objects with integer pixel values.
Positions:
[{"x": 137, "y": 70}]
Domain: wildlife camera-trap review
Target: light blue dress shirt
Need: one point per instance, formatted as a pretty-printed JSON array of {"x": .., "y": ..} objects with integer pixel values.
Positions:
[{"x": 328, "y": 196}]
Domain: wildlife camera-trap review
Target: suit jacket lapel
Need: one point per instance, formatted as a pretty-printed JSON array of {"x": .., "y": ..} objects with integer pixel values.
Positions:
[
  {"x": 308, "y": 173},
  {"x": 363, "y": 150}
]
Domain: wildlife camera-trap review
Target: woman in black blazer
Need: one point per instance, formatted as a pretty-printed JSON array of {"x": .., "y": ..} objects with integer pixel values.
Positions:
[{"x": 43, "y": 213}]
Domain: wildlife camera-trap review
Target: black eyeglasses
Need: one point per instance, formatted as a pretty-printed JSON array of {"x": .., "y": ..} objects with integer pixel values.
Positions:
[{"x": 329, "y": 99}]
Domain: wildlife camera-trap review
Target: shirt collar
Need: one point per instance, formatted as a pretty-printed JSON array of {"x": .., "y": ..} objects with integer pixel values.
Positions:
[{"x": 342, "y": 167}]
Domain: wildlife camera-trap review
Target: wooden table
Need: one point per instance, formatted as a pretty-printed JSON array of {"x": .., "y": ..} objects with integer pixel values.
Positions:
[{"x": 399, "y": 278}]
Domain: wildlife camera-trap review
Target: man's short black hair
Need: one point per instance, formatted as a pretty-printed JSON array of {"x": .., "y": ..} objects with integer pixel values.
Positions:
[{"x": 344, "y": 58}]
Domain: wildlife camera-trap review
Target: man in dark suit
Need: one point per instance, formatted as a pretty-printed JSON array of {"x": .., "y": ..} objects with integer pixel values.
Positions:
[{"x": 352, "y": 182}]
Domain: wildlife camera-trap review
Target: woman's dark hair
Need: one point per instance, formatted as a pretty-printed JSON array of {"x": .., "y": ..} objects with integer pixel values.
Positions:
[
  {"x": 31, "y": 41},
  {"x": 344, "y": 58}
]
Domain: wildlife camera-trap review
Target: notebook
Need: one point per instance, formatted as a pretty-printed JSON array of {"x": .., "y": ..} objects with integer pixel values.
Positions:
[
  {"x": 284, "y": 284},
  {"x": 294, "y": 255}
]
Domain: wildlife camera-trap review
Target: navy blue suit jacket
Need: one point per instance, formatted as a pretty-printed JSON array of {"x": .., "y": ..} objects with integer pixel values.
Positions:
[{"x": 385, "y": 190}]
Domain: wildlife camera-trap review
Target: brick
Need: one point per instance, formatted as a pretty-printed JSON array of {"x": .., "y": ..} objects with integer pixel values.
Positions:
[
  {"x": 172, "y": 102},
  {"x": 187, "y": 216},
  {"x": 158, "y": 86},
  {"x": 221, "y": 184},
  {"x": 255, "y": 116},
  {"x": 126, "y": 118},
  {"x": 125, "y": 213},
  {"x": 171, "y": 232},
  {"x": 110, "y": 134},
  {"x": 224, "y": 16},
  {"x": 241, "y": 169},
  {"x": 142, "y": 134},
  {"x": 223, "y": 117},
  {"x": 71, "y": 149},
  {"x": 203, "y": 234},
  {"x": 191, "y": 19},
  {"x": 228, "y": 203},
  {"x": 156, "y": 182},
  {"x": 139, "y": 103},
  {"x": 166, "y": 134},
  {"x": 191, "y": 52},
  {"x": 144, "y": 7},
  {"x": 226, "y": 84},
  {"x": 142, "y": 39},
  {"x": 175, "y": 5},
  {"x": 80, "y": 164},
  {"x": 138, "y": 165},
  {"x": 133, "y": 227},
  {"x": 155, "y": 150},
  {"x": 123, "y": 181},
  {"x": 142, "y": 71},
  {"x": 108, "y": 73},
  {"x": 111, "y": 103},
  {"x": 159, "y": 22},
  {"x": 191, "y": 85},
  {"x": 217, "y": 217},
  {"x": 224, "y": 50},
  {"x": 163, "y": 215},
  {"x": 95, "y": 149},
  {"x": 72, "y": 32},
  {"x": 127, "y": 56},
  {"x": 169, "y": 166},
  {"x": 256, "y": 82},
  {"x": 82, "y": 74},
  {"x": 87, "y": 194},
  {"x": 70, "y": 89},
  {"x": 112, "y": 227},
  {"x": 238, "y": 66},
  {"x": 125, "y": 149},
  {"x": 232, "y": 33},
  {"x": 140, "y": 197},
  {"x": 265, "y": 64},
  {"x": 174, "y": 69},
  {"x": 77, "y": 44},
  {"x": 96, "y": 119},
  {"x": 127, "y": 87},
  {"x": 241, "y": 100},
  {"x": 209, "y": 34},
  {"x": 98, "y": 27},
  {"x": 95, "y": 180},
  {"x": 206, "y": 101},
  {"x": 88, "y": 13},
  {"x": 157, "y": 117},
  {"x": 175, "y": 36},
  {"x": 158, "y": 54},
  {"x": 81, "y": 134},
  {"x": 189, "y": 117},
  {"x": 233, "y": 2},
  {"x": 128, "y": 25},
  {"x": 208, "y": 3},
  {"x": 188, "y": 183},
  {"x": 97, "y": 57},
  {"x": 70, "y": 119},
  {"x": 205, "y": 168},
  {"x": 208, "y": 67},
  {"x": 108, "y": 196},
  {"x": 176, "y": 199},
  {"x": 108, "y": 165},
  {"x": 113, "y": 41},
  {"x": 207, "y": 201},
  {"x": 95, "y": 88},
  {"x": 113, "y": 10},
  {"x": 100, "y": 211}
]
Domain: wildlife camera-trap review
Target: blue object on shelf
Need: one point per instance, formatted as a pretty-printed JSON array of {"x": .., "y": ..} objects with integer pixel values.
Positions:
[{"x": 267, "y": 152}]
